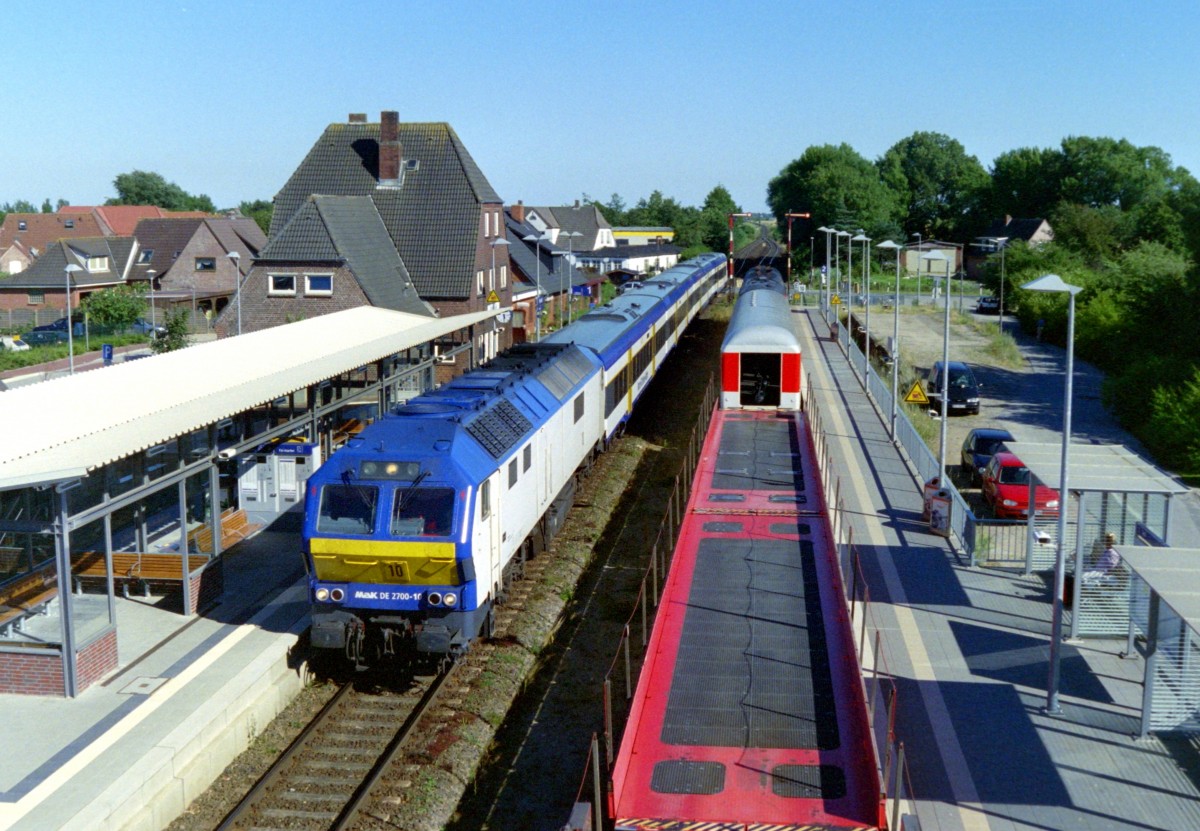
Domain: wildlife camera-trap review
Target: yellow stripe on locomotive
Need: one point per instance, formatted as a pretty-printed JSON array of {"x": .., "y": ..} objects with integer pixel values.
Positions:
[{"x": 380, "y": 561}]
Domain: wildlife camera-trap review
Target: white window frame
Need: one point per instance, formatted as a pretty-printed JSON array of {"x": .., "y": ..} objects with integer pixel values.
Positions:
[
  {"x": 487, "y": 224},
  {"x": 503, "y": 276},
  {"x": 492, "y": 278},
  {"x": 479, "y": 281},
  {"x": 272, "y": 291},
  {"x": 36, "y": 297},
  {"x": 309, "y": 291},
  {"x": 95, "y": 264}
]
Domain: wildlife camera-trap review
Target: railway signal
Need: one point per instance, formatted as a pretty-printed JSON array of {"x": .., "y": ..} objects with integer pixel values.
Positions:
[{"x": 731, "y": 216}]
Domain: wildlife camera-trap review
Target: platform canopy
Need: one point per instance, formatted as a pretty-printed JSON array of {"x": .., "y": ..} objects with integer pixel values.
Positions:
[
  {"x": 67, "y": 426},
  {"x": 1171, "y": 573},
  {"x": 1095, "y": 467}
]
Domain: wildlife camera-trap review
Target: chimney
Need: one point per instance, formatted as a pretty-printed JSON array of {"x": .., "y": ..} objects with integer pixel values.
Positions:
[
  {"x": 358, "y": 118},
  {"x": 389, "y": 149},
  {"x": 576, "y": 203},
  {"x": 518, "y": 211}
]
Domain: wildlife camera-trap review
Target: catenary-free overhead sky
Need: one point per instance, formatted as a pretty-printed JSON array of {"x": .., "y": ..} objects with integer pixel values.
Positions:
[{"x": 559, "y": 99}]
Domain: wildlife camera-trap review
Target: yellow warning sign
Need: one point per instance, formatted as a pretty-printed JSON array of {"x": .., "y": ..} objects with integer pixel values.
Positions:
[
  {"x": 493, "y": 297},
  {"x": 916, "y": 395},
  {"x": 835, "y": 300}
]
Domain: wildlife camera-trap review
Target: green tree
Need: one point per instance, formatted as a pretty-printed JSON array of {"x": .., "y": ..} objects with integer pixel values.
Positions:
[
  {"x": 838, "y": 187},
  {"x": 260, "y": 210},
  {"x": 47, "y": 208},
  {"x": 1026, "y": 182},
  {"x": 1095, "y": 233},
  {"x": 140, "y": 187},
  {"x": 176, "y": 334},
  {"x": 936, "y": 182},
  {"x": 714, "y": 218},
  {"x": 1105, "y": 171},
  {"x": 117, "y": 307}
]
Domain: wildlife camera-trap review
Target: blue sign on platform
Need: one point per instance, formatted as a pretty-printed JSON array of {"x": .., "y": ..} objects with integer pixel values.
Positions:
[
  {"x": 824, "y": 269},
  {"x": 583, "y": 290},
  {"x": 106, "y": 352},
  {"x": 541, "y": 304}
]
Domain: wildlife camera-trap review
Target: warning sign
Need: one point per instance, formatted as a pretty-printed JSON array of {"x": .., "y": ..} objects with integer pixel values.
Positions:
[
  {"x": 493, "y": 297},
  {"x": 916, "y": 395},
  {"x": 835, "y": 300}
]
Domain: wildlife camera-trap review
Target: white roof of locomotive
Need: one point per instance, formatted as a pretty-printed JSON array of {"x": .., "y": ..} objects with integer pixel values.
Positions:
[{"x": 761, "y": 322}]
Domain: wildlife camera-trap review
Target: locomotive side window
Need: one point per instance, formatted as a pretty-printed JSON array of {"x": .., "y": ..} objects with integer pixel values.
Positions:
[
  {"x": 423, "y": 512},
  {"x": 347, "y": 509},
  {"x": 578, "y": 407},
  {"x": 512, "y": 473},
  {"x": 528, "y": 456},
  {"x": 485, "y": 499}
]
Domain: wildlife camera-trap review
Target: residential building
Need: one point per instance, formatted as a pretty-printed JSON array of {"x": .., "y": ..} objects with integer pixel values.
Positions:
[
  {"x": 643, "y": 235},
  {"x": 1003, "y": 232},
  {"x": 643, "y": 259},
  {"x": 412, "y": 187},
  {"x": 574, "y": 228},
  {"x": 35, "y": 233},
  {"x": 538, "y": 264},
  {"x": 38, "y": 294},
  {"x": 122, "y": 220}
]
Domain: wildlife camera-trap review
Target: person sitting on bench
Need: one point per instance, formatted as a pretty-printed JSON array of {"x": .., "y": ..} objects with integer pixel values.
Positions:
[{"x": 1101, "y": 572}]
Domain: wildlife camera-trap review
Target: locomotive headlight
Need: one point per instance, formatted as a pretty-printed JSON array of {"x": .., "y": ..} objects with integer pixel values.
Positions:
[
  {"x": 434, "y": 598},
  {"x": 449, "y": 598},
  {"x": 338, "y": 595},
  {"x": 322, "y": 595}
]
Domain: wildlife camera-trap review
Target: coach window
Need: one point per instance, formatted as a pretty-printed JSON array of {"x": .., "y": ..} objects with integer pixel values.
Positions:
[
  {"x": 485, "y": 499},
  {"x": 512, "y": 473}
]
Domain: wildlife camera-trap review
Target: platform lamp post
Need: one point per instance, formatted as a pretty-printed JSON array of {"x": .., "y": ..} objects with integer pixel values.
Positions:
[
  {"x": 731, "y": 218},
  {"x": 895, "y": 350},
  {"x": 236, "y": 258},
  {"x": 934, "y": 256},
  {"x": 828, "y": 274},
  {"x": 1002, "y": 242},
  {"x": 919, "y": 253},
  {"x": 537, "y": 301},
  {"x": 866, "y": 244},
  {"x": 1054, "y": 283},
  {"x": 151, "y": 274},
  {"x": 69, "y": 270},
  {"x": 570, "y": 235}
]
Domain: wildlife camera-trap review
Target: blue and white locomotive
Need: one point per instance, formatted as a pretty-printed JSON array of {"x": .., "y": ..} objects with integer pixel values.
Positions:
[{"x": 414, "y": 530}]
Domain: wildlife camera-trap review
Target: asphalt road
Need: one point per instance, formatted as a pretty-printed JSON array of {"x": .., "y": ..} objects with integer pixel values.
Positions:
[{"x": 1027, "y": 400}]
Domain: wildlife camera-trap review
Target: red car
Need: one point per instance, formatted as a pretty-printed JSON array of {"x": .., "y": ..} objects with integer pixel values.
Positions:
[{"x": 1006, "y": 489}]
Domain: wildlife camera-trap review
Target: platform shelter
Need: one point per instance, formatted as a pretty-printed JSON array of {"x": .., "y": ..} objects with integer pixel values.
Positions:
[{"x": 131, "y": 478}]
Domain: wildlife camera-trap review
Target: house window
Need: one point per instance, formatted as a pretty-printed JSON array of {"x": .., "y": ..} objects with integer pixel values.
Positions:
[
  {"x": 146, "y": 255},
  {"x": 21, "y": 225},
  {"x": 70, "y": 223},
  {"x": 36, "y": 298},
  {"x": 487, "y": 225},
  {"x": 479, "y": 280},
  {"x": 206, "y": 263},
  {"x": 281, "y": 285},
  {"x": 318, "y": 285},
  {"x": 95, "y": 264},
  {"x": 492, "y": 278}
]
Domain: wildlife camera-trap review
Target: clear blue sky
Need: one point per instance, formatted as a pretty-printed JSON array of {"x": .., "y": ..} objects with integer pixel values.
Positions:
[{"x": 557, "y": 99}]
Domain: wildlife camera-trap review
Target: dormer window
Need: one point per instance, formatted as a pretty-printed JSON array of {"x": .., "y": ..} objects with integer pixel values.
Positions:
[
  {"x": 22, "y": 225},
  {"x": 95, "y": 264},
  {"x": 146, "y": 255},
  {"x": 281, "y": 285},
  {"x": 206, "y": 263}
]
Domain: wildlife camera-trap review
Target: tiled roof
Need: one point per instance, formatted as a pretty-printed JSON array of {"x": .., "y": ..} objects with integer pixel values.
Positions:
[
  {"x": 161, "y": 240},
  {"x": 43, "y": 229},
  {"x": 630, "y": 252},
  {"x": 335, "y": 229},
  {"x": 122, "y": 220},
  {"x": 432, "y": 218},
  {"x": 48, "y": 270},
  {"x": 1014, "y": 229},
  {"x": 583, "y": 219},
  {"x": 556, "y": 275}
]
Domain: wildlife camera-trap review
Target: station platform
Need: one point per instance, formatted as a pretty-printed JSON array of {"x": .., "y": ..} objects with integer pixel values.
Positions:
[
  {"x": 191, "y": 693},
  {"x": 969, "y": 650}
]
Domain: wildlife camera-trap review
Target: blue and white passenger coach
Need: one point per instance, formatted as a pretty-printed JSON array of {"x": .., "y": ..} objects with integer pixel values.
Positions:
[{"x": 416, "y": 527}]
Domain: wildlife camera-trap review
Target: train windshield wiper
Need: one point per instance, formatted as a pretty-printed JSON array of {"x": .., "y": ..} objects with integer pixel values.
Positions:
[{"x": 408, "y": 493}]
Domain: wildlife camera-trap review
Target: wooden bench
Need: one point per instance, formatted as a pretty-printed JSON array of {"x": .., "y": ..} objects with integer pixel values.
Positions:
[
  {"x": 132, "y": 568},
  {"x": 26, "y": 595},
  {"x": 12, "y": 559},
  {"x": 346, "y": 431},
  {"x": 235, "y": 527}
]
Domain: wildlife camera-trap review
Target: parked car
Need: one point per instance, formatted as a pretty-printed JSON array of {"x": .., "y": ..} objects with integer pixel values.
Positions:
[
  {"x": 988, "y": 305},
  {"x": 13, "y": 344},
  {"x": 41, "y": 337},
  {"x": 1006, "y": 489},
  {"x": 963, "y": 391},
  {"x": 142, "y": 326},
  {"x": 60, "y": 325},
  {"x": 978, "y": 448}
]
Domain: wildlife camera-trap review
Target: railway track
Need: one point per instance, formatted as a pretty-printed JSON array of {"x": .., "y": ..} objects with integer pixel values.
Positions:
[
  {"x": 762, "y": 251},
  {"x": 330, "y": 770}
]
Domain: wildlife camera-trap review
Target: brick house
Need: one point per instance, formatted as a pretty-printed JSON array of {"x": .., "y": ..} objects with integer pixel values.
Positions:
[
  {"x": 122, "y": 220},
  {"x": 1004, "y": 232},
  {"x": 191, "y": 258},
  {"x": 543, "y": 265},
  {"x": 38, "y": 294},
  {"x": 23, "y": 237},
  {"x": 412, "y": 188}
]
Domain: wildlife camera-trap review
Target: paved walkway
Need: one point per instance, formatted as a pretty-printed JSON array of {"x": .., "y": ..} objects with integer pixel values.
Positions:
[{"x": 969, "y": 649}]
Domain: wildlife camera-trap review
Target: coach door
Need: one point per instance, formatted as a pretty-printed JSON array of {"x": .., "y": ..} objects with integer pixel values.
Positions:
[
  {"x": 760, "y": 379},
  {"x": 488, "y": 538}
]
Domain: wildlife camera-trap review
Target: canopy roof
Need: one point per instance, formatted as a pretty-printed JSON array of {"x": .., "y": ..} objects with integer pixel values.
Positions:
[{"x": 1095, "y": 467}]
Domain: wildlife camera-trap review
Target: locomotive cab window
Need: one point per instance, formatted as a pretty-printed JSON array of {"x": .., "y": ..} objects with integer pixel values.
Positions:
[
  {"x": 347, "y": 509},
  {"x": 423, "y": 512},
  {"x": 485, "y": 499},
  {"x": 578, "y": 407}
]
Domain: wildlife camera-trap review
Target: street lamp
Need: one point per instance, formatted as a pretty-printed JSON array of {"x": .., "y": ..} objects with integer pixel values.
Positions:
[
  {"x": 151, "y": 273},
  {"x": 1054, "y": 283},
  {"x": 235, "y": 257},
  {"x": 537, "y": 301},
  {"x": 945, "y": 391},
  {"x": 825, "y": 279},
  {"x": 1002, "y": 243},
  {"x": 895, "y": 350},
  {"x": 919, "y": 252},
  {"x": 70, "y": 269},
  {"x": 843, "y": 235},
  {"x": 866, "y": 244},
  {"x": 570, "y": 235}
]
